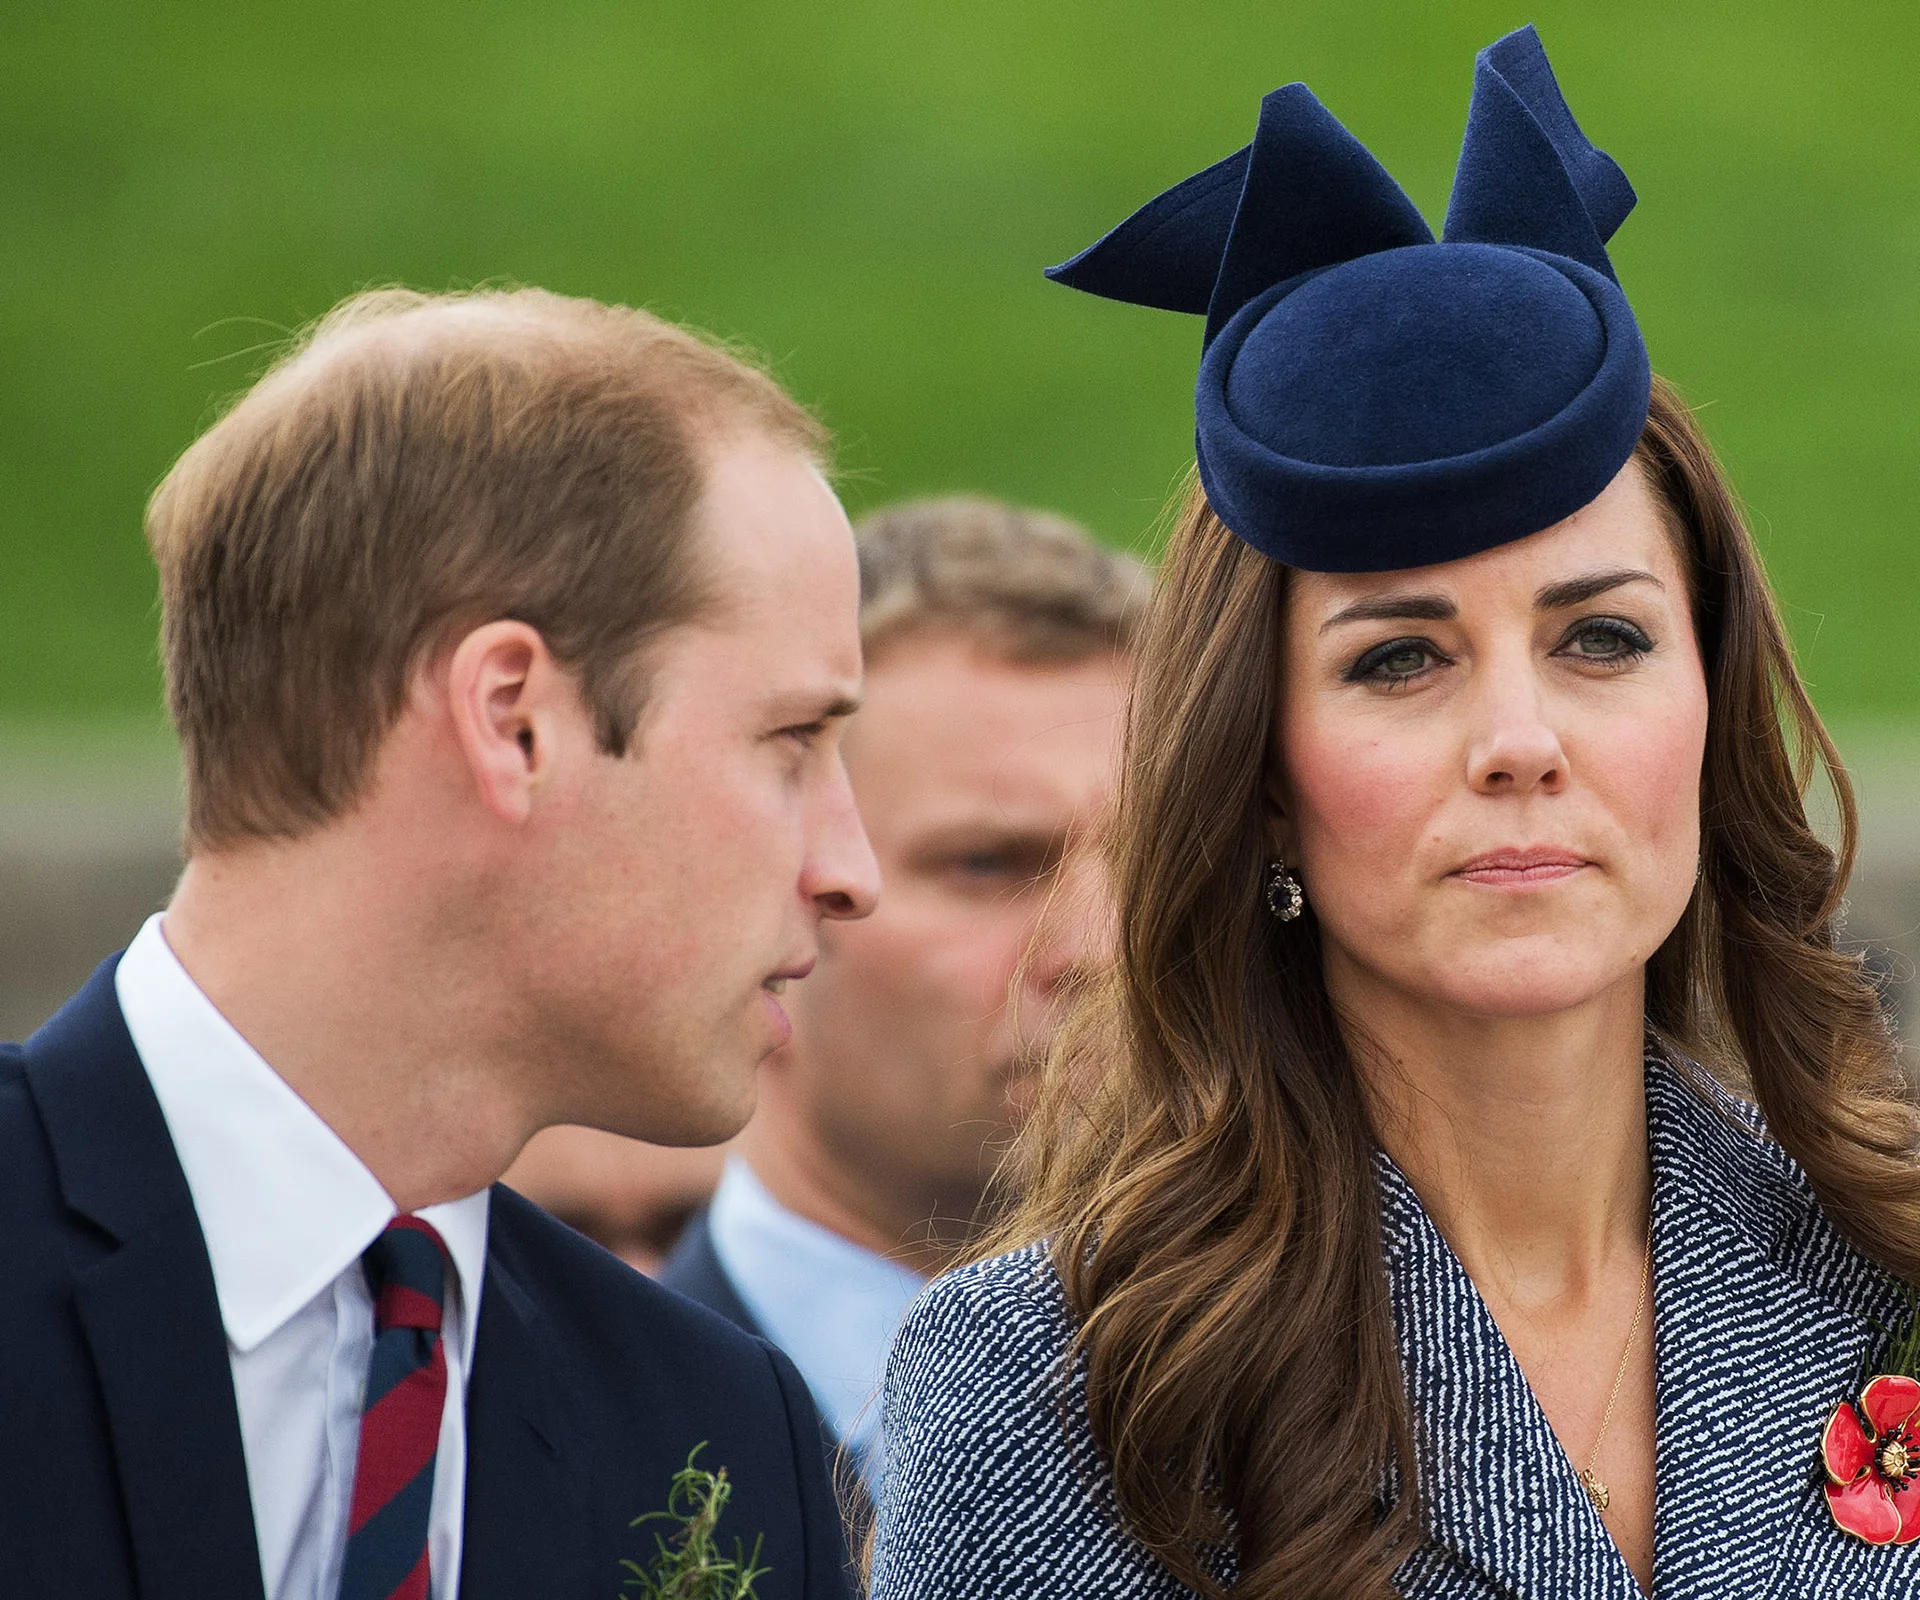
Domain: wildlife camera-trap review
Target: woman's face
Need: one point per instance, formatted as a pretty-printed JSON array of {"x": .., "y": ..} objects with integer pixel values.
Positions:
[{"x": 1490, "y": 781}]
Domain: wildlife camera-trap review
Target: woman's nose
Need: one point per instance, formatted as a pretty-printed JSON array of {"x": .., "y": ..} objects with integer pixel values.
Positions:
[{"x": 1515, "y": 749}]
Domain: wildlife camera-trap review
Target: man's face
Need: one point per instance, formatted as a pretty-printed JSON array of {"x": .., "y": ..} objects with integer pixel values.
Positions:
[
  {"x": 687, "y": 881},
  {"x": 983, "y": 786}
]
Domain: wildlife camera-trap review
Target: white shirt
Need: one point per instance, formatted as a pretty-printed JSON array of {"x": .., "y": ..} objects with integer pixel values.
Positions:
[
  {"x": 833, "y": 1306},
  {"x": 287, "y": 1209}
]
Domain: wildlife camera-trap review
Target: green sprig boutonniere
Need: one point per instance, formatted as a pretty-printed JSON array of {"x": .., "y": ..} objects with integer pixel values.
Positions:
[{"x": 687, "y": 1563}]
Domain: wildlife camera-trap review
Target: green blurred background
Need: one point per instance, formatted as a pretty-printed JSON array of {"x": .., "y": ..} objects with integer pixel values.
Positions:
[{"x": 866, "y": 192}]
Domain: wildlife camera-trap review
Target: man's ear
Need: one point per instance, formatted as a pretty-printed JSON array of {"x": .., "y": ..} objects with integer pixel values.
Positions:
[{"x": 513, "y": 709}]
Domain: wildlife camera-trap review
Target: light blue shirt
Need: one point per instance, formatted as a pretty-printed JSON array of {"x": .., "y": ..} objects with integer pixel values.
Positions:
[{"x": 833, "y": 1306}]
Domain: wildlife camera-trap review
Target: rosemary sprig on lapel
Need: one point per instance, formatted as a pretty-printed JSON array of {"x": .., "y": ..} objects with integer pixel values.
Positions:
[{"x": 687, "y": 1563}]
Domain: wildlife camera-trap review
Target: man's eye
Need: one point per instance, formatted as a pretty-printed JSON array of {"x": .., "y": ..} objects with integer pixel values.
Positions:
[
  {"x": 804, "y": 734},
  {"x": 1396, "y": 661},
  {"x": 982, "y": 863},
  {"x": 999, "y": 867}
]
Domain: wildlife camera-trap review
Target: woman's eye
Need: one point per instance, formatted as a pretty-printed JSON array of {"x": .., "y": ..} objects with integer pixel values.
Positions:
[
  {"x": 1610, "y": 640},
  {"x": 1396, "y": 661}
]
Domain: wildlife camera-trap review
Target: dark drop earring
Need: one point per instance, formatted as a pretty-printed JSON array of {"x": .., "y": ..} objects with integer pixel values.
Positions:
[{"x": 1284, "y": 897}]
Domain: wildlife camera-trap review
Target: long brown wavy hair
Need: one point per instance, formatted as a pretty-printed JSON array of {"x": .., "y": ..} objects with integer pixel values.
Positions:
[{"x": 1200, "y": 1157}]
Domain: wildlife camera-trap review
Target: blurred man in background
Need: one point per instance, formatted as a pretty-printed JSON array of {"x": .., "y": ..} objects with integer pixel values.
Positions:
[{"x": 983, "y": 761}]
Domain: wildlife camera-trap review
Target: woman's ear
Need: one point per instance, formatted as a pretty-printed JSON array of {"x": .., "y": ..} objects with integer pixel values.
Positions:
[{"x": 1279, "y": 825}]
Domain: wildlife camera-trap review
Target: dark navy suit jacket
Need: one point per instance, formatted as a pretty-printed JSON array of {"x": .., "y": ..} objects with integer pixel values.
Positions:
[
  {"x": 121, "y": 1465},
  {"x": 694, "y": 1269}
]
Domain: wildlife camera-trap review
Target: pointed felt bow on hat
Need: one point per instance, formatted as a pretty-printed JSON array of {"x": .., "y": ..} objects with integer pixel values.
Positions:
[{"x": 1370, "y": 398}]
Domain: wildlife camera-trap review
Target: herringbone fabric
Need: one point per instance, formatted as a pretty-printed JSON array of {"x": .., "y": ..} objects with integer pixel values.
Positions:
[
  {"x": 400, "y": 1420},
  {"x": 1763, "y": 1316}
]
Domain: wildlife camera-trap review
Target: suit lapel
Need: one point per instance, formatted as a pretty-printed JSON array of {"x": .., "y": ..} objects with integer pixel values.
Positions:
[
  {"x": 145, "y": 1299},
  {"x": 528, "y": 1519}
]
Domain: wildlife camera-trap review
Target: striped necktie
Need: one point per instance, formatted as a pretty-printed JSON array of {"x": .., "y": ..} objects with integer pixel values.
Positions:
[{"x": 400, "y": 1420}]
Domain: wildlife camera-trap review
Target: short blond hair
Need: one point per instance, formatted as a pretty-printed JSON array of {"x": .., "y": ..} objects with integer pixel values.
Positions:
[
  {"x": 417, "y": 465},
  {"x": 1033, "y": 587}
]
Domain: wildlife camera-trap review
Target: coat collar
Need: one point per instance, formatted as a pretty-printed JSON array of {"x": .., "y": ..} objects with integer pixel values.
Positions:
[
  {"x": 1764, "y": 1316},
  {"x": 1761, "y": 1320},
  {"x": 1498, "y": 1494},
  {"x": 144, "y": 1295}
]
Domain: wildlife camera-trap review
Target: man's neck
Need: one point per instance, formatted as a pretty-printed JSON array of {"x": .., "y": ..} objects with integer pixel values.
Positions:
[
  {"x": 314, "y": 957},
  {"x": 799, "y": 1173}
]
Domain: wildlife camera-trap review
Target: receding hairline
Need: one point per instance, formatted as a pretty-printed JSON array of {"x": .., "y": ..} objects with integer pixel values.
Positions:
[
  {"x": 540, "y": 453},
  {"x": 402, "y": 326}
]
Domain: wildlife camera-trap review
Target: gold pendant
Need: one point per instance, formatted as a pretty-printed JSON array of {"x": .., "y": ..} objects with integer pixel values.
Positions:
[{"x": 1596, "y": 1490}]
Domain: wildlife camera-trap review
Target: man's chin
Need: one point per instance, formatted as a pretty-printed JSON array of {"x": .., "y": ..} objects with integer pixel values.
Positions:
[
  {"x": 676, "y": 1130},
  {"x": 686, "y": 1116}
]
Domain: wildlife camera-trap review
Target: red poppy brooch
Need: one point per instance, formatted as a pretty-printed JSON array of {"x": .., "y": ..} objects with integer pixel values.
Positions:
[{"x": 1871, "y": 1450}]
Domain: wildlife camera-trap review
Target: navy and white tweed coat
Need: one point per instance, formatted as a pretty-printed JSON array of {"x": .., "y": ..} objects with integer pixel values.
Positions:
[{"x": 1763, "y": 1317}]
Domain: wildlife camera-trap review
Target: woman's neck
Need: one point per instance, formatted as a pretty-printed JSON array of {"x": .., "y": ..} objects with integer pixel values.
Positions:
[{"x": 1525, "y": 1138}]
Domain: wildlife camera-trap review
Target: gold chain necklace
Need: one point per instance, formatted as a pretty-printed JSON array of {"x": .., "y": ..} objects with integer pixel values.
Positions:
[{"x": 1597, "y": 1491}]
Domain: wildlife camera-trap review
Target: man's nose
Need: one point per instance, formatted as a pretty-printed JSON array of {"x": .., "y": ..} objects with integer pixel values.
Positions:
[
  {"x": 1075, "y": 933},
  {"x": 841, "y": 876}
]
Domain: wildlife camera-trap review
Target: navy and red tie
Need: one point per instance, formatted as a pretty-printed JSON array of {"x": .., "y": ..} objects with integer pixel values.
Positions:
[{"x": 400, "y": 1421}]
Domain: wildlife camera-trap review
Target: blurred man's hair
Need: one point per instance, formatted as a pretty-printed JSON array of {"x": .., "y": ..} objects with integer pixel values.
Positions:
[
  {"x": 1031, "y": 587},
  {"x": 416, "y": 466}
]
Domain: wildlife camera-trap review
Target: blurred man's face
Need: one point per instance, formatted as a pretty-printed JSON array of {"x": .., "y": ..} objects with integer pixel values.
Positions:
[{"x": 984, "y": 787}]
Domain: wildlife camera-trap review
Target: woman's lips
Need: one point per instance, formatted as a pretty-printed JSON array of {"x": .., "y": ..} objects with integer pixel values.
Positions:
[{"x": 1512, "y": 869}]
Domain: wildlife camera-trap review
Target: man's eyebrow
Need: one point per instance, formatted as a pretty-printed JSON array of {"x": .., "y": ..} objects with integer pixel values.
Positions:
[
  {"x": 811, "y": 705},
  {"x": 1576, "y": 591},
  {"x": 1395, "y": 608}
]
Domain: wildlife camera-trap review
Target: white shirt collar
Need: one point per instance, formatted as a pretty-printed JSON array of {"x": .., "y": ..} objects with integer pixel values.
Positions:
[{"x": 285, "y": 1206}]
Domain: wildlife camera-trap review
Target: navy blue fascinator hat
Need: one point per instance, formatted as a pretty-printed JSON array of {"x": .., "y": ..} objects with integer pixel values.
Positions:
[{"x": 1371, "y": 398}]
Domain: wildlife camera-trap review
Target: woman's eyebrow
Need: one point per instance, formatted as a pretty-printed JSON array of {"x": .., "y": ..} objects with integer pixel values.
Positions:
[
  {"x": 1396, "y": 608},
  {"x": 1438, "y": 608},
  {"x": 1576, "y": 591}
]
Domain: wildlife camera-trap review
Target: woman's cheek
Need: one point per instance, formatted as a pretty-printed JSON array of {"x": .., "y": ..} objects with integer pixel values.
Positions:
[
  {"x": 1649, "y": 764},
  {"x": 1362, "y": 806}
]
